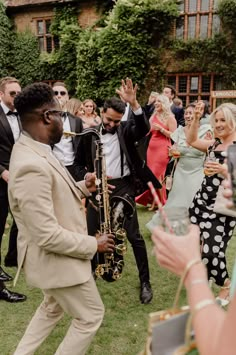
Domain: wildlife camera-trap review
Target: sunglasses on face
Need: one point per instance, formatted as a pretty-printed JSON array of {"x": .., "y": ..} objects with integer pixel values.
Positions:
[
  {"x": 62, "y": 93},
  {"x": 13, "y": 93}
]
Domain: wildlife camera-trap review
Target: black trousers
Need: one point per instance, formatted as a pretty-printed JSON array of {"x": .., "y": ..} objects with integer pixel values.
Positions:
[
  {"x": 4, "y": 209},
  {"x": 134, "y": 236}
]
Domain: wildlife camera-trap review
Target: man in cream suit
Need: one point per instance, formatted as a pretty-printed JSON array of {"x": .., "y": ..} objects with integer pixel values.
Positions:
[{"x": 53, "y": 246}]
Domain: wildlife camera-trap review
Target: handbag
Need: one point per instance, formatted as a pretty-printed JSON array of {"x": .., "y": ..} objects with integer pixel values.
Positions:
[
  {"x": 170, "y": 331},
  {"x": 168, "y": 180},
  {"x": 220, "y": 205}
]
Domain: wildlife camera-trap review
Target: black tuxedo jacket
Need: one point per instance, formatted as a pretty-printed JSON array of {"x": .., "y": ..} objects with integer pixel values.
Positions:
[
  {"x": 129, "y": 132},
  {"x": 6, "y": 141},
  {"x": 76, "y": 126},
  {"x": 6, "y": 144}
]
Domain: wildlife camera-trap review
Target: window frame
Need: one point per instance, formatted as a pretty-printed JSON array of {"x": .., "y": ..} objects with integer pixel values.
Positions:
[
  {"x": 44, "y": 35},
  {"x": 185, "y": 14},
  {"x": 188, "y": 94}
]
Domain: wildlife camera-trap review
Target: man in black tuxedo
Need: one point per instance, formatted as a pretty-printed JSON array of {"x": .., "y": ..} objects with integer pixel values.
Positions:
[
  {"x": 9, "y": 133},
  {"x": 122, "y": 163},
  {"x": 170, "y": 92},
  {"x": 66, "y": 148}
]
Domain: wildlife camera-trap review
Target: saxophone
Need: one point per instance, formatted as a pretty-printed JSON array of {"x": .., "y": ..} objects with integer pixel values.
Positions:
[{"x": 112, "y": 216}]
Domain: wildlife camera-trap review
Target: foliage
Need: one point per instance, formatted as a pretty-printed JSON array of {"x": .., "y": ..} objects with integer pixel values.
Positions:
[
  {"x": 6, "y": 39},
  {"x": 213, "y": 55},
  {"x": 126, "y": 46},
  {"x": 61, "y": 64},
  {"x": 27, "y": 66},
  {"x": 227, "y": 12}
]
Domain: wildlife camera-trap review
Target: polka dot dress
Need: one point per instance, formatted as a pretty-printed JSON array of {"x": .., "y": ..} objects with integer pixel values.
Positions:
[{"x": 215, "y": 229}]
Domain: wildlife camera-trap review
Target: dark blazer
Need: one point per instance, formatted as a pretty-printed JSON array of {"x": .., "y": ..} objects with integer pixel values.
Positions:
[
  {"x": 129, "y": 132},
  {"x": 76, "y": 126},
  {"x": 179, "y": 114},
  {"x": 6, "y": 144}
]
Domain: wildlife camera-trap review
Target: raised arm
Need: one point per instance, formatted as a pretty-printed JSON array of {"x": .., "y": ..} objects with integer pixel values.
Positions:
[{"x": 192, "y": 134}]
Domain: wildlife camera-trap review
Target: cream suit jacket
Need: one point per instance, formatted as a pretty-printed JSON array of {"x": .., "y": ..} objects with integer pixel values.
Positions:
[{"x": 53, "y": 246}]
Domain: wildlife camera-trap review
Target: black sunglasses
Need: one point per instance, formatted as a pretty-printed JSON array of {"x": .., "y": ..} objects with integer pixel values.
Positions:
[
  {"x": 14, "y": 93},
  {"x": 62, "y": 93}
]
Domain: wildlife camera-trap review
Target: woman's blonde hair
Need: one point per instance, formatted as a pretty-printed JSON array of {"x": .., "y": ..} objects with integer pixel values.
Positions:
[
  {"x": 229, "y": 112},
  {"x": 93, "y": 103},
  {"x": 165, "y": 103},
  {"x": 73, "y": 106}
]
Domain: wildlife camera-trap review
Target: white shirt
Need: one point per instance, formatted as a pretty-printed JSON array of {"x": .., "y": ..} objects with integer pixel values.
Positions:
[
  {"x": 64, "y": 149},
  {"x": 111, "y": 150},
  {"x": 13, "y": 122}
]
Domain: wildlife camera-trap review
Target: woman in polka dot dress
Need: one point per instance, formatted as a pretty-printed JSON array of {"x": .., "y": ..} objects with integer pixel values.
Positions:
[{"x": 215, "y": 229}]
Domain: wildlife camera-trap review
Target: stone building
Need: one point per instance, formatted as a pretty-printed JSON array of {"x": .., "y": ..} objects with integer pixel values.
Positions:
[{"x": 198, "y": 19}]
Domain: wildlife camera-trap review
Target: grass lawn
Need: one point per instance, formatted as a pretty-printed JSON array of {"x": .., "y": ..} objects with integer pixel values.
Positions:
[{"x": 124, "y": 329}]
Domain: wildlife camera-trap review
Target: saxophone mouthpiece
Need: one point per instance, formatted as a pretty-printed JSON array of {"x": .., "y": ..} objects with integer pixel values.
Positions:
[{"x": 69, "y": 134}]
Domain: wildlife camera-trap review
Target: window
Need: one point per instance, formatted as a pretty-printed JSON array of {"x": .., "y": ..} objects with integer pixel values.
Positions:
[
  {"x": 197, "y": 19},
  {"x": 191, "y": 87},
  {"x": 47, "y": 42}
]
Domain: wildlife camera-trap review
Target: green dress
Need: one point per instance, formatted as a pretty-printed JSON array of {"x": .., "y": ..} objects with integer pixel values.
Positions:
[{"x": 188, "y": 174}]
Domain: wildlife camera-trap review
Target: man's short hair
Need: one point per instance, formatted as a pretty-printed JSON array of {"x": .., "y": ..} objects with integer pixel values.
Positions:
[
  {"x": 114, "y": 103},
  {"x": 59, "y": 83},
  {"x": 7, "y": 80},
  {"x": 173, "y": 90},
  {"x": 32, "y": 97}
]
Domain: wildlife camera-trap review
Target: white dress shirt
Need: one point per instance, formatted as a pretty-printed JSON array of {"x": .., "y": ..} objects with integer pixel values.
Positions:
[{"x": 64, "y": 149}]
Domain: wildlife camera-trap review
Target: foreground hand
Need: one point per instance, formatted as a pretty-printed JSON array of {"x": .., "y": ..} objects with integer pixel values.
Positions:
[
  {"x": 228, "y": 193},
  {"x": 174, "y": 252},
  {"x": 106, "y": 243},
  {"x": 5, "y": 175},
  {"x": 90, "y": 182}
]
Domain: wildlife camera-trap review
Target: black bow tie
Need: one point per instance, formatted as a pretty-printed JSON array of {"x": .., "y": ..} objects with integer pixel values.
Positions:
[
  {"x": 12, "y": 113},
  {"x": 104, "y": 131}
]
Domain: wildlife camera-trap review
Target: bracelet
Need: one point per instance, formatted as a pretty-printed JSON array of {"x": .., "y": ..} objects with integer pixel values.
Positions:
[
  {"x": 198, "y": 281},
  {"x": 183, "y": 277},
  {"x": 202, "y": 304},
  {"x": 189, "y": 266}
]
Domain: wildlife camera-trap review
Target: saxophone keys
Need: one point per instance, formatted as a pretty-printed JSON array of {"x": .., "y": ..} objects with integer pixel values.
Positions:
[
  {"x": 97, "y": 182},
  {"x": 98, "y": 197}
]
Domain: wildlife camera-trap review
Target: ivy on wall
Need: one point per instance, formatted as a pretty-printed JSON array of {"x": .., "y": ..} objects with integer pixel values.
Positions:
[
  {"x": 132, "y": 40},
  {"x": 131, "y": 37},
  {"x": 6, "y": 38}
]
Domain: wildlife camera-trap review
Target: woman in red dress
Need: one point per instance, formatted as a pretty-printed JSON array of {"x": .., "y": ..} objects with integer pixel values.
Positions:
[{"x": 162, "y": 124}]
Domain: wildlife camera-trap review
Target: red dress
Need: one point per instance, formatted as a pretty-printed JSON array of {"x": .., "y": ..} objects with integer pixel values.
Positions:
[{"x": 157, "y": 160}]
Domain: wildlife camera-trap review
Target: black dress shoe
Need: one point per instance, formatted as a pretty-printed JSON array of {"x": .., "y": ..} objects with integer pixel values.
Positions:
[
  {"x": 4, "y": 276},
  {"x": 146, "y": 293},
  {"x": 10, "y": 296}
]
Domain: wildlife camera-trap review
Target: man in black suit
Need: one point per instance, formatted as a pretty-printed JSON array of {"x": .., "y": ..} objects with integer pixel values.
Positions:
[
  {"x": 66, "y": 148},
  {"x": 170, "y": 92},
  {"x": 122, "y": 163},
  {"x": 9, "y": 133}
]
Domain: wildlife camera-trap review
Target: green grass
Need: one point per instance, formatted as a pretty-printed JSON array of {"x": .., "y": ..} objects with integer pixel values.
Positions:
[{"x": 124, "y": 329}]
